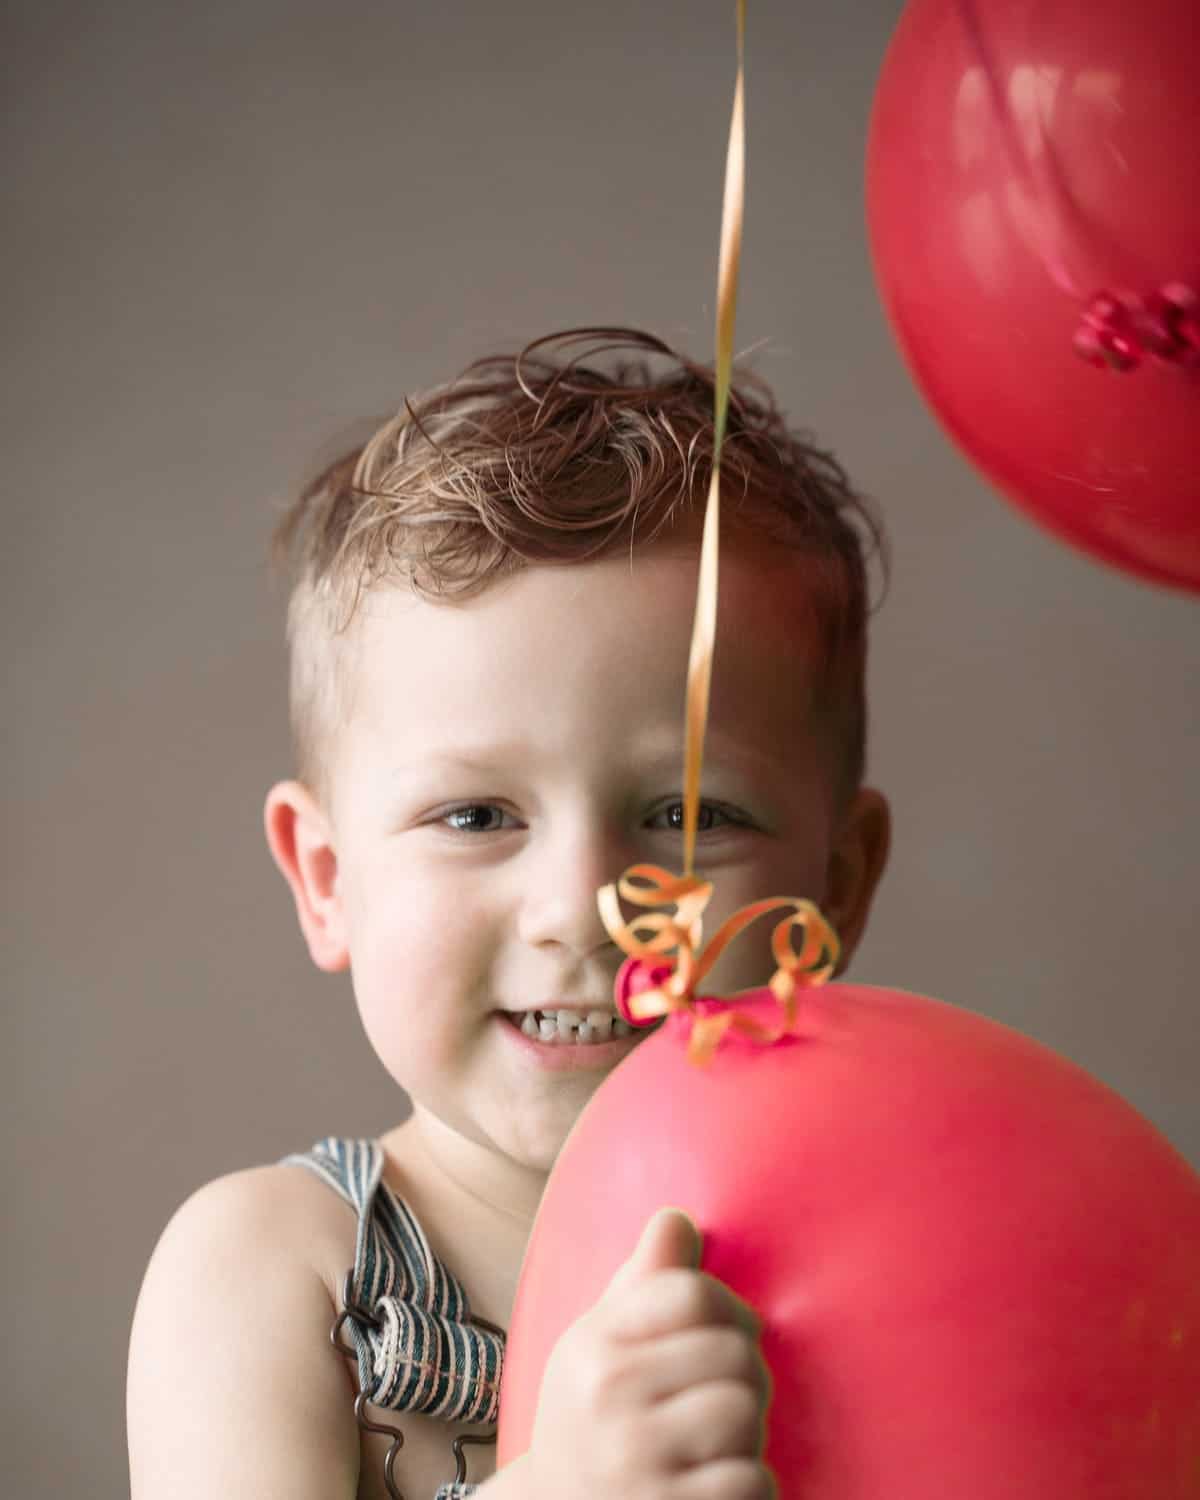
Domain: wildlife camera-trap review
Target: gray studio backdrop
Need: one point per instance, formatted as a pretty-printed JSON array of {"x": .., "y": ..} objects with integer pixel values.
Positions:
[{"x": 234, "y": 232}]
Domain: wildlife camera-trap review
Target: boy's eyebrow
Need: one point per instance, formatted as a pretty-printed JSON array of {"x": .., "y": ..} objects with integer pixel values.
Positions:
[
  {"x": 474, "y": 760},
  {"x": 656, "y": 758}
]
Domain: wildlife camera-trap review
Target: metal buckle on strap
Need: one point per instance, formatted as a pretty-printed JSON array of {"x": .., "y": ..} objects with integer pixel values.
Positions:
[{"x": 353, "y": 1311}]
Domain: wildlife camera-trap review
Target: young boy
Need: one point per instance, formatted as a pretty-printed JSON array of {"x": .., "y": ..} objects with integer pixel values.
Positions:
[{"x": 489, "y": 632}]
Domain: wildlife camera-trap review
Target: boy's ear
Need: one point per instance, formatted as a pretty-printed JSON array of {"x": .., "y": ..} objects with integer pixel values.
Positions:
[
  {"x": 856, "y": 861},
  {"x": 301, "y": 842}
]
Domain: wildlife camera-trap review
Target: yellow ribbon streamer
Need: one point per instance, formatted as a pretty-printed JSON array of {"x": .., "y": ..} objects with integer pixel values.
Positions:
[
  {"x": 705, "y": 627},
  {"x": 648, "y": 885}
]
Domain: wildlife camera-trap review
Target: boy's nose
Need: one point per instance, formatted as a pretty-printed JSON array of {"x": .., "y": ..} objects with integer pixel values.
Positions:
[{"x": 558, "y": 901}]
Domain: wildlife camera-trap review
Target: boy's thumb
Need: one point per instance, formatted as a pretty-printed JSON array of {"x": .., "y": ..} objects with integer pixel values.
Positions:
[{"x": 669, "y": 1239}]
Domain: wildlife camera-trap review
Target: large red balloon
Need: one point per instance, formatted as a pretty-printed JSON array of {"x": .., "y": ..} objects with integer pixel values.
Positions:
[
  {"x": 978, "y": 1267},
  {"x": 1033, "y": 197}
]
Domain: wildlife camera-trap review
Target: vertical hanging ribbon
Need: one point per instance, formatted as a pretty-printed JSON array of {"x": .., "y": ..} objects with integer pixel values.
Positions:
[
  {"x": 705, "y": 627},
  {"x": 649, "y": 987}
]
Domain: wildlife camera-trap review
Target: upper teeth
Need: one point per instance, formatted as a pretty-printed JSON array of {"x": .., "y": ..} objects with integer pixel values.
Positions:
[{"x": 573, "y": 1025}]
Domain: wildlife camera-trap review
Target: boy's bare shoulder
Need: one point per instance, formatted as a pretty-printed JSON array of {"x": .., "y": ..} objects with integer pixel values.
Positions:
[
  {"x": 278, "y": 1220},
  {"x": 279, "y": 1214},
  {"x": 233, "y": 1385}
]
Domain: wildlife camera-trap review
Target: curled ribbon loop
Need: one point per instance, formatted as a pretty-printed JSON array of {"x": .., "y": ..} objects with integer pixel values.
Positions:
[{"x": 649, "y": 987}]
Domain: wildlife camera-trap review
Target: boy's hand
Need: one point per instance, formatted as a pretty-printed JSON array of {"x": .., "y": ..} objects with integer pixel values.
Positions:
[{"x": 659, "y": 1392}]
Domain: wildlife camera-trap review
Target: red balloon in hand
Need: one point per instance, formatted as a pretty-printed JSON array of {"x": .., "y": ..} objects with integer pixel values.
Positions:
[
  {"x": 1033, "y": 200},
  {"x": 978, "y": 1268}
]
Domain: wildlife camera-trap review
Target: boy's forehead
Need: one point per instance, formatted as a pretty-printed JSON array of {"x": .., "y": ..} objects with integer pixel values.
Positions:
[{"x": 604, "y": 642}]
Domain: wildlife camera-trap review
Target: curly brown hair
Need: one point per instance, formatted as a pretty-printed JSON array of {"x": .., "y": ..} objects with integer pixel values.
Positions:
[{"x": 545, "y": 457}]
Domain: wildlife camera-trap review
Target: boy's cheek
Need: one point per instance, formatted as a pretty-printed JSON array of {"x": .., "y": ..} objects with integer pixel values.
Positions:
[
  {"x": 400, "y": 1037},
  {"x": 418, "y": 982}
]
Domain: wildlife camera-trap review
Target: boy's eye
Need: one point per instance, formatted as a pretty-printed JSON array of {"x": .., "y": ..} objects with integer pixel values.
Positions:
[
  {"x": 708, "y": 816},
  {"x": 487, "y": 817},
  {"x": 476, "y": 817}
]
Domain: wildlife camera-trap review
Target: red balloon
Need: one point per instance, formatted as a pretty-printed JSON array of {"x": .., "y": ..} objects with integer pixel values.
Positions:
[
  {"x": 1033, "y": 202},
  {"x": 978, "y": 1267}
]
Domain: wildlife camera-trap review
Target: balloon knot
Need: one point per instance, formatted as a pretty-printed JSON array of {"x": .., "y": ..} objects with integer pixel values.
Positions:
[
  {"x": 635, "y": 977},
  {"x": 667, "y": 962},
  {"x": 1120, "y": 330}
]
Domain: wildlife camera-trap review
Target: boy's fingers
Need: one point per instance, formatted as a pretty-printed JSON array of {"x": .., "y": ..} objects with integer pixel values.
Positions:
[
  {"x": 672, "y": 1300},
  {"x": 677, "y": 1362},
  {"x": 669, "y": 1240},
  {"x": 660, "y": 1288}
]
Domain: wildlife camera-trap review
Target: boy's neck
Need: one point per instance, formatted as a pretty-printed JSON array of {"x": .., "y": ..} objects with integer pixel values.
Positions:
[
  {"x": 482, "y": 1183},
  {"x": 476, "y": 1205}
]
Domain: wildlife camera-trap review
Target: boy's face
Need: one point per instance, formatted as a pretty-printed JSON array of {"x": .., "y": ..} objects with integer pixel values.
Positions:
[{"x": 503, "y": 759}]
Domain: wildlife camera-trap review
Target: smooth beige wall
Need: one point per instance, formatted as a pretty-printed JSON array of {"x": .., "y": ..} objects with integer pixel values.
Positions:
[{"x": 234, "y": 232}]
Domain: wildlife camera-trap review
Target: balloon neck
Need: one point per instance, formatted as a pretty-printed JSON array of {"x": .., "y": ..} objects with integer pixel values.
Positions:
[
  {"x": 635, "y": 977},
  {"x": 701, "y": 1021},
  {"x": 1121, "y": 330}
]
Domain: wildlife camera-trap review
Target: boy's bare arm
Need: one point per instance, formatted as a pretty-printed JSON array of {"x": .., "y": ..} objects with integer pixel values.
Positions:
[{"x": 233, "y": 1386}]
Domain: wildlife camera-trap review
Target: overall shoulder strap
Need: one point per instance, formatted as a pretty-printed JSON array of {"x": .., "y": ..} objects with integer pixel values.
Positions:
[{"x": 421, "y": 1350}]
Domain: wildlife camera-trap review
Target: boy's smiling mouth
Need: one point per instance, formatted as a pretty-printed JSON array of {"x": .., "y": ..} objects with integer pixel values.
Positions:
[
  {"x": 566, "y": 1025},
  {"x": 569, "y": 1036}
]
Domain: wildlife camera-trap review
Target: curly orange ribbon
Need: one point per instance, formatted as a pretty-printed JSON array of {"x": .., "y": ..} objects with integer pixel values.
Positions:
[{"x": 680, "y": 933}]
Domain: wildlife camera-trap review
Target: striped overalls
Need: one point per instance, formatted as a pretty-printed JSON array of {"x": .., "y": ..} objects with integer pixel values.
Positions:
[{"x": 417, "y": 1345}]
